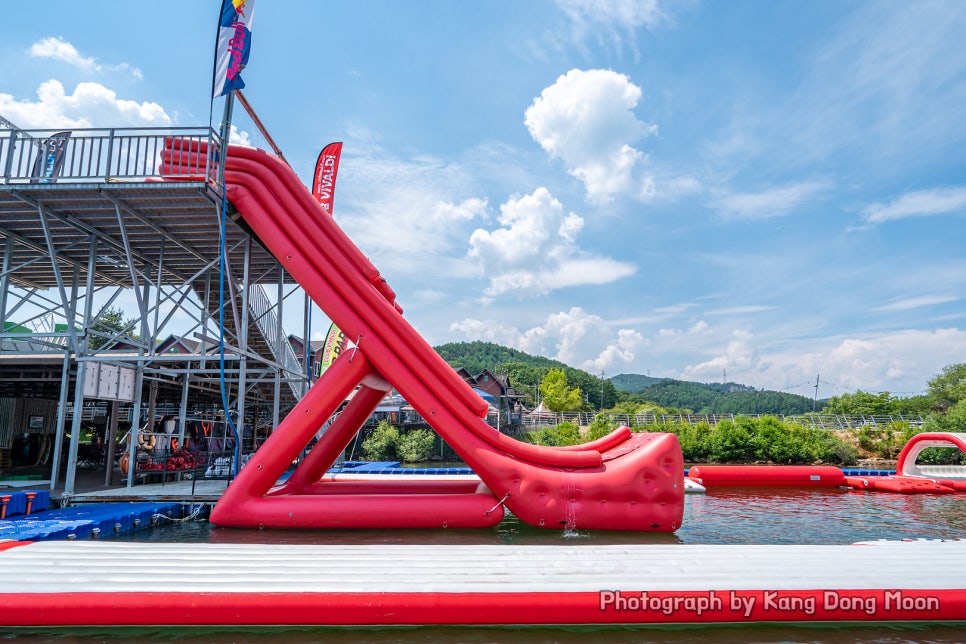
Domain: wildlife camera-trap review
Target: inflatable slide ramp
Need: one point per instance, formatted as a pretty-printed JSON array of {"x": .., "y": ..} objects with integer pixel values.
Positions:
[{"x": 623, "y": 481}]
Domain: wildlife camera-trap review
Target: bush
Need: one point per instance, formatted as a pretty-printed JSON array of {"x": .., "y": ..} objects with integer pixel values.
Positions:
[
  {"x": 382, "y": 443},
  {"x": 416, "y": 446},
  {"x": 730, "y": 442},
  {"x": 693, "y": 439},
  {"x": 557, "y": 436},
  {"x": 600, "y": 428}
]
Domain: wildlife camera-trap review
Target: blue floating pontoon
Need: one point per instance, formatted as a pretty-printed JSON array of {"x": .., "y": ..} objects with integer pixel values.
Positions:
[{"x": 86, "y": 521}]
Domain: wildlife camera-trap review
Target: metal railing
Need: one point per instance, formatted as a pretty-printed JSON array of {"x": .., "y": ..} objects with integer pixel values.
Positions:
[
  {"x": 818, "y": 421},
  {"x": 99, "y": 154},
  {"x": 263, "y": 313}
]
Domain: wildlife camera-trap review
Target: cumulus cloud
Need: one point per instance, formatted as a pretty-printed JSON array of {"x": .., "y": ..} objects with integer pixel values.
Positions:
[
  {"x": 921, "y": 203},
  {"x": 535, "y": 250},
  {"x": 60, "y": 49},
  {"x": 774, "y": 202},
  {"x": 586, "y": 119},
  {"x": 574, "y": 337},
  {"x": 886, "y": 361},
  {"x": 91, "y": 105}
]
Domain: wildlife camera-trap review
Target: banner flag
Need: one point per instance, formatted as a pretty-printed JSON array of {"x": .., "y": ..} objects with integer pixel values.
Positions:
[
  {"x": 233, "y": 46},
  {"x": 326, "y": 169},
  {"x": 335, "y": 344},
  {"x": 50, "y": 159}
]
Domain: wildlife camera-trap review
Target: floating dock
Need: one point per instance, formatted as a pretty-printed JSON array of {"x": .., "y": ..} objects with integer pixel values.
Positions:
[
  {"x": 120, "y": 583},
  {"x": 86, "y": 522}
]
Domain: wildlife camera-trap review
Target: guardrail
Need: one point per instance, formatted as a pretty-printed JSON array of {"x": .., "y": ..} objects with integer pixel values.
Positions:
[
  {"x": 94, "y": 154},
  {"x": 263, "y": 312},
  {"x": 819, "y": 421}
]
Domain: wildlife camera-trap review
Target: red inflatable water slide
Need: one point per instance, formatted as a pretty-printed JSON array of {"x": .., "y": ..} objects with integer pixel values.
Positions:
[{"x": 623, "y": 481}]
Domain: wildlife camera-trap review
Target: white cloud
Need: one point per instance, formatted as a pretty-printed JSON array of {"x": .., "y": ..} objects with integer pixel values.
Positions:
[
  {"x": 871, "y": 361},
  {"x": 91, "y": 105},
  {"x": 535, "y": 250},
  {"x": 586, "y": 119},
  {"x": 60, "y": 49},
  {"x": 610, "y": 19},
  {"x": 917, "y": 302},
  {"x": 239, "y": 137},
  {"x": 774, "y": 202},
  {"x": 921, "y": 203},
  {"x": 573, "y": 337},
  {"x": 410, "y": 216}
]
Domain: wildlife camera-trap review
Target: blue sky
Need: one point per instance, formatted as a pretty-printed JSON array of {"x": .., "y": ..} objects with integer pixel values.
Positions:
[{"x": 771, "y": 191}]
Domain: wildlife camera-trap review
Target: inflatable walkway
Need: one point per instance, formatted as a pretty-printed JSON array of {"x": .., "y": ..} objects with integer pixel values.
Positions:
[{"x": 623, "y": 481}]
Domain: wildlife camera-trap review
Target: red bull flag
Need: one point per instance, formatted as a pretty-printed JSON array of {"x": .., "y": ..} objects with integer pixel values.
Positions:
[
  {"x": 234, "y": 45},
  {"x": 326, "y": 168},
  {"x": 335, "y": 344}
]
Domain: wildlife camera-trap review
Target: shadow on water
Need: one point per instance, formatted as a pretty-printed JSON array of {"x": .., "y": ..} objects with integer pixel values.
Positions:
[{"x": 716, "y": 634}]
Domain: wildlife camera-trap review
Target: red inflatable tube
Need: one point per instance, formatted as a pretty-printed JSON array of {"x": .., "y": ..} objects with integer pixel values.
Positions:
[
  {"x": 191, "y": 154},
  {"x": 366, "y": 511},
  {"x": 767, "y": 475},
  {"x": 324, "y": 239}
]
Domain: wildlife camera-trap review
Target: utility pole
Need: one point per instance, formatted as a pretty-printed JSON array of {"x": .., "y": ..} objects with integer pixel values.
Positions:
[
  {"x": 815, "y": 397},
  {"x": 602, "y": 375}
]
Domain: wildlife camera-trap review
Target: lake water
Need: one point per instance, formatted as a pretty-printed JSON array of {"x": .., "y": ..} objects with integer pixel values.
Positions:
[
  {"x": 732, "y": 516},
  {"x": 723, "y": 516}
]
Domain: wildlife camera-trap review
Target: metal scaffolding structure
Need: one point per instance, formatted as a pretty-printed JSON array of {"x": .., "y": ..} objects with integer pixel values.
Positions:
[{"x": 87, "y": 226}]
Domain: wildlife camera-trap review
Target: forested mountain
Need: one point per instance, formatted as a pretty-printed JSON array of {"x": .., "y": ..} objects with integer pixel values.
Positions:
[
  {"x": 527, "y": 371},
  {"x": 477, "y": 356},
  {"x": 633, "y": 382},
  {"x": 725, "y": 398}
]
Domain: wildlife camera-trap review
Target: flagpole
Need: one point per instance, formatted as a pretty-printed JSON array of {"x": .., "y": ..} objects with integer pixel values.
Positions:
[{"x": 225, "y": 134}]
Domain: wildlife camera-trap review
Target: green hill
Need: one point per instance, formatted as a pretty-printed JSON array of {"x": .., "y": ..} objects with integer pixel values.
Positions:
[
  {"x": 527, "y": 371},
  {"x": 633, "y": 382},
  {"x": 712, "y": 398}
]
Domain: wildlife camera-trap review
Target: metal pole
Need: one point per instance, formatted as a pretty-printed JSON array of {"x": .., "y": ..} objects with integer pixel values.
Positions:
[
  {"x": 80, "y": 351},
  {"x": 243, "y": 345}
]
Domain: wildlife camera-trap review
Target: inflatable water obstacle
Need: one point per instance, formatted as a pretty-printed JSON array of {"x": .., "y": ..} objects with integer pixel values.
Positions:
[
  {"x": 911, "y": 477},
  {"x": 121, "y": 584},
  {"x": 623, "y": 481}
]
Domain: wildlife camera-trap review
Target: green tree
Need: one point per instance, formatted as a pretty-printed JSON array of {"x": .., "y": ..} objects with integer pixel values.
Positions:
[
  {"x": 107, "y": 325},
  {"x": 557, "y": 396},
  {"x": 949, "y": 387},
  {"x": 861, "y": 403}
]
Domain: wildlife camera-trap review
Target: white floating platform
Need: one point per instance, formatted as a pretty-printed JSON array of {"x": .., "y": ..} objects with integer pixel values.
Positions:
[{"x": 120, "y": 583}]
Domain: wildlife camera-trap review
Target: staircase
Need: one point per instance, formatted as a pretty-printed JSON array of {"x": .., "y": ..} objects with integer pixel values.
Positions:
[{"x": 264, "y": 339}]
